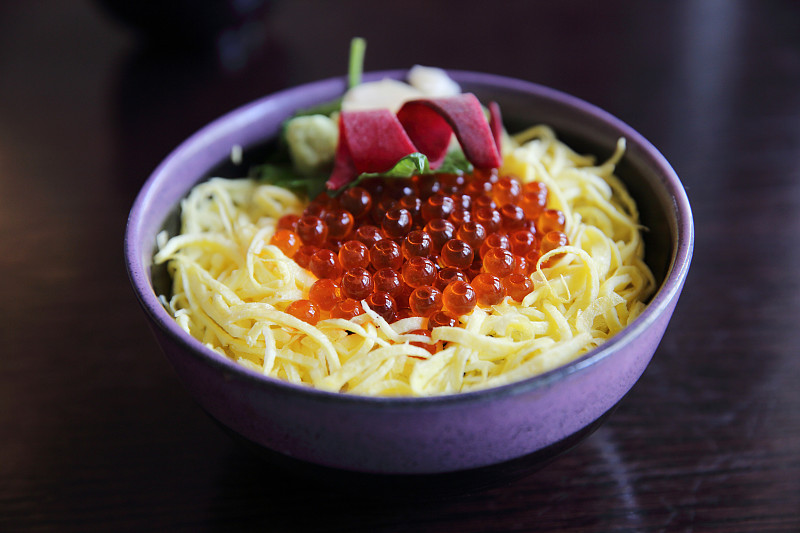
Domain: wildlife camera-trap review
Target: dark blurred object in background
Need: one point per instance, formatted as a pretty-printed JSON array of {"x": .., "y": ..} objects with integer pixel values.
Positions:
[
  {"x": 192, "y": 61},
  {"x": 186, "y": 23}
]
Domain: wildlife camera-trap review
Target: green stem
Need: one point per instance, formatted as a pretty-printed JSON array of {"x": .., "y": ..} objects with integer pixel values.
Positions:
[{"x": 358, "y": 47}]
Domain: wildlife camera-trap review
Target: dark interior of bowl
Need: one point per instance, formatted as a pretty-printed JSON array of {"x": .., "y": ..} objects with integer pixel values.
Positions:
[{"x": 226, "y": 168}]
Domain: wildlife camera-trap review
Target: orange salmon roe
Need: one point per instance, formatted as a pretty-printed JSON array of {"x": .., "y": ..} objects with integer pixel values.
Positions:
[
  {"x": 456, "y": 253},
  {"x": 357, "y": 200},
  {"x": 353, "y": 254},
  {"x": 287, "y": 240},
  {"x": 432, "y": 246},
  {"x": 325, "y": 264},
  {"x": 383, "y": 304},
  {"x": 517, "y": 286},
  {"x": 441, "y": 318},
  {"x": 425, "y": 301},
  {"x": 357, "y": 283},
  {"x": 340, "y": 223},
  {"x": 347, "y": 309},
  {"x": 419, "y": 271},
  {"x": 325, "y": 293},
  {"x": 489, "y": 289},
  {"x": 388, "y": 280},
  {"x": 417, "y": 243},
  {"x": 312, "y": 230},
  {"x": 386, "y": 254},
  {"x": 459, "y": 298},
  {"x": 305, "y": 310}
]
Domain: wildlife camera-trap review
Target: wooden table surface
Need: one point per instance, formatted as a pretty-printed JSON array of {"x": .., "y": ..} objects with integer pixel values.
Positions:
[{"x": 97, "y": 434}]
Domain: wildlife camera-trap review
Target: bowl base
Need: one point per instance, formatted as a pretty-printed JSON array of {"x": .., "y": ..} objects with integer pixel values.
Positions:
[{"x": 412, "y": 487}]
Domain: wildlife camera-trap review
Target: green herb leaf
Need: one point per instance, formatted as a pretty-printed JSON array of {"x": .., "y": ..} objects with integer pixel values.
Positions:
[
  {"x": 414, "y": 164},
  {"x": 411, "y": 164},
  {"x": 283, "y": 175},
  {"x": 408, "y": 166},
  {"x": 455, "y": 162}
]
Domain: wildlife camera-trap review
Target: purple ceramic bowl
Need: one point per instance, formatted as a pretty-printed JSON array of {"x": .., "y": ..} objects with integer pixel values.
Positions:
[{"x": 435, "y": 435}]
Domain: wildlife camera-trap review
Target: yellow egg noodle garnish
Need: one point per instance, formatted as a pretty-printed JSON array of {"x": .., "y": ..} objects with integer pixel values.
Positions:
[{"x": 231, "y": 287}]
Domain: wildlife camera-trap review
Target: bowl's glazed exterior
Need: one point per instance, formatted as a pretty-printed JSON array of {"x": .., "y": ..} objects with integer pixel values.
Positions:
[{"x": 420, "y": 435}]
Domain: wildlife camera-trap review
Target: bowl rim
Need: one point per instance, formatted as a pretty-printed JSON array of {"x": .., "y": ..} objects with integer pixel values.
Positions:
[{"x": 665, "y": 295}]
